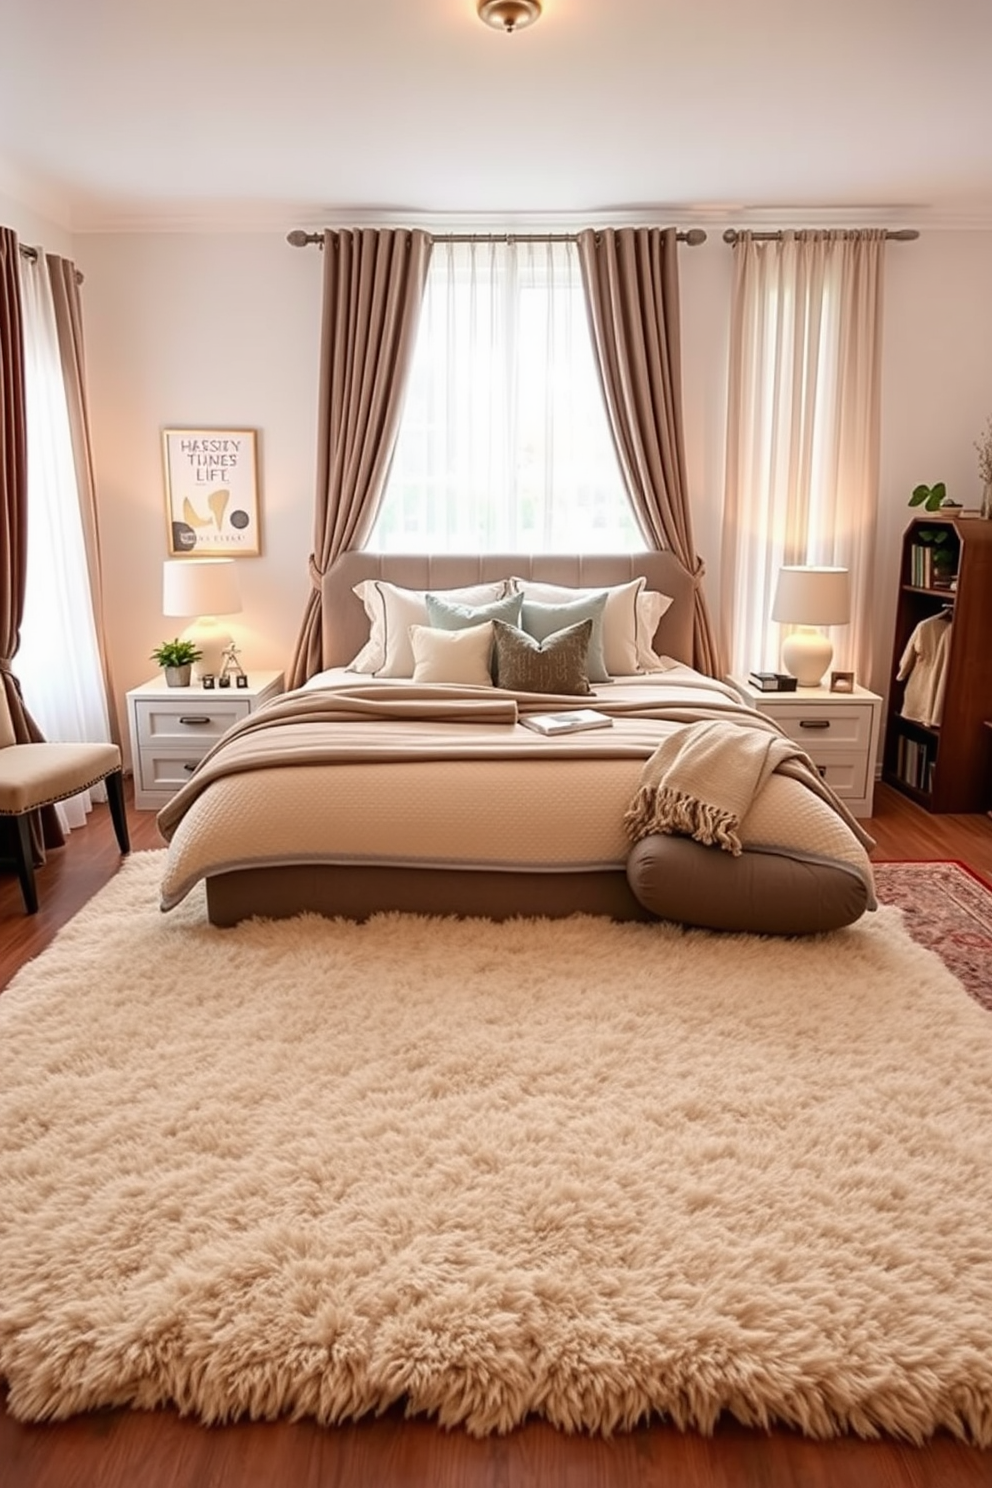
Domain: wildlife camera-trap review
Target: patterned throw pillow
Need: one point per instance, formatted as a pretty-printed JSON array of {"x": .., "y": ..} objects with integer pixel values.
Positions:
[{"x": 557, "y": 665}]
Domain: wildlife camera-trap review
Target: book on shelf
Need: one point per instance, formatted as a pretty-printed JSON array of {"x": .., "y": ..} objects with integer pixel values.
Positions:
[
  {"x": 570, "y": 722},
  {"x": 771, "y": 681},
  {"x": 915, "y": 761},
  {"x": 924, "y": 573}
]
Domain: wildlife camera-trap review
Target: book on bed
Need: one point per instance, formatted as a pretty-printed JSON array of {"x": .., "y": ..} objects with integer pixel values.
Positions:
[{"x": 566, "y": 723}]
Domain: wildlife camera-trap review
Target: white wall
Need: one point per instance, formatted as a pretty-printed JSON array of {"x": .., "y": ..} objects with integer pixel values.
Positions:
[
  {"x": 223, "y": 330},
  {"x": 936, "y": 389},
  {"x": 211, "y": 331}
]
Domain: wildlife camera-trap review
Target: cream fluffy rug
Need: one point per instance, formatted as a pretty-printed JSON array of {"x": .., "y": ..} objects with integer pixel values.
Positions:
[{"x": 583, "y": 1170}]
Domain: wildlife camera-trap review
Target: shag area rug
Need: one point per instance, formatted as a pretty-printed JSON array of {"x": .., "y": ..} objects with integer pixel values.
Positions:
[
  {"x": 576, "y": 1169},
  {"x": 949, "y": 910}
]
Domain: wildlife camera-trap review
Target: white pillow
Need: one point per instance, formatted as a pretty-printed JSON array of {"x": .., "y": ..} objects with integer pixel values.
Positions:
[
  {"x": 630, "y": 620},
  {"x": 462, "y": 656},
  {"x": 392, "y": 610},
  {"x": 651, "y": 605}
]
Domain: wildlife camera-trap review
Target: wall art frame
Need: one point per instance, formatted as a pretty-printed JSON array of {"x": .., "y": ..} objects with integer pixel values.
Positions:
[{"x": 211, "y": 493}]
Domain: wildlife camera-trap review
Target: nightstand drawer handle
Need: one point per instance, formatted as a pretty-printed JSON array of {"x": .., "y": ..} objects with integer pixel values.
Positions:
[
  {"x": 817, "y": 723},
  {"x": 189, "y": 769},
  {"x": 201, "y": 718}
]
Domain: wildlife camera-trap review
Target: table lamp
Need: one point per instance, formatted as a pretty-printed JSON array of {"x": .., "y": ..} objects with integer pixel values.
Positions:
[
  {"x": 810, "y": 597},
  {"x": 203, "y": 588}
]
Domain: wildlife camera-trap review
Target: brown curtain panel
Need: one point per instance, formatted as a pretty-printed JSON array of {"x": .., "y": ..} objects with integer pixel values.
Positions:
[
  {"x": 374, "y": 283},
  {"x": 631, "y": 280},
  {"x": 14, "y": 515},
  {"x": 69, "y": 326}
]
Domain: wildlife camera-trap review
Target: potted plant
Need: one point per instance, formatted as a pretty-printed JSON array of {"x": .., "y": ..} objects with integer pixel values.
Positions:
[
  {"x": 176, "y": 659},
  {"x": 932, "y": 498}
]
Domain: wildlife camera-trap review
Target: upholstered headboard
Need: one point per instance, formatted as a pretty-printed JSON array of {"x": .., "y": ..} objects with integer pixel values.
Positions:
[{"x": 346, "y": 626}]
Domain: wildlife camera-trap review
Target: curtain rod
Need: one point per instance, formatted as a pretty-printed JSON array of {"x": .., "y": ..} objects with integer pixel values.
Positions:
[
  {"x": 299, "y": 239},
  {"x": 31, "y": 254},
  {"x": 899, "y": 235}
]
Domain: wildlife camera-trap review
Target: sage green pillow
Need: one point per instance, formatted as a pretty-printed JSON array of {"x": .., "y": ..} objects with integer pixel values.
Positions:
[
  {"x": 541, "y": 620},
  {"x": 449, "y": 614},
  {"x": 555, "y": 665}
]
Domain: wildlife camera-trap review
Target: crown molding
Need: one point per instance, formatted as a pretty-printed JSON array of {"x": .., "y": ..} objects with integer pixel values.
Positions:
[{"x": 92, "y": 217}]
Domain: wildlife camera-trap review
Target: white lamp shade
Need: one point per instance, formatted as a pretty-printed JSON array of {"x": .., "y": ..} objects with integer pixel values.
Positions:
[
  {"x": 812, "y": 596},
  {"x": 200, "y": 586}
]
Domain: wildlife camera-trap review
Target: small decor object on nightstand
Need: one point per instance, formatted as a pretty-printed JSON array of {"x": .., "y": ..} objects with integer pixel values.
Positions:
[
  {"x": 232, "y": 668},
  {"x": 841, "y": 681},
  {"x": 176, "y": 659}
]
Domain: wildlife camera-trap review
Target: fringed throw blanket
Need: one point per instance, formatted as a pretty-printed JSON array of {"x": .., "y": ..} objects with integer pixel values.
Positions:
[{"x": 702, "y": 779}]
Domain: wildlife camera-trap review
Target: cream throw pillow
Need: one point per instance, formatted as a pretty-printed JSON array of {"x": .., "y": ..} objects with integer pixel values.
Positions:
[
  {"x": 461, "y": 656},
  {"x": 392, "y": 610}
]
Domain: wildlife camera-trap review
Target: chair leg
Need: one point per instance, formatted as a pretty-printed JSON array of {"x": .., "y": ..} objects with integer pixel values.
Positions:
[
  {"x": 25, "y": 862},
  {"x": 118, "y": 814}
]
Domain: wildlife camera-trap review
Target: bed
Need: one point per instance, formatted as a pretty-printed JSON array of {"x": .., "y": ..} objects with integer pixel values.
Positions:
[{"x": 367, "y": 791}]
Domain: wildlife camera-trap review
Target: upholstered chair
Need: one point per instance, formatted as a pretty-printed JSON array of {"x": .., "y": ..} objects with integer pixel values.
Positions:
[{"x": 33, "y": 775}]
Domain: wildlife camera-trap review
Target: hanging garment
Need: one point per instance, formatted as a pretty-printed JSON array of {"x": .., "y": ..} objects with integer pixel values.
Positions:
[{"x": 924, "y": 670}]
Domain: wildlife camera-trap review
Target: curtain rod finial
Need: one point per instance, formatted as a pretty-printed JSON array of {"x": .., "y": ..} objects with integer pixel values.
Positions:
[{"x": 298, "y": 238}]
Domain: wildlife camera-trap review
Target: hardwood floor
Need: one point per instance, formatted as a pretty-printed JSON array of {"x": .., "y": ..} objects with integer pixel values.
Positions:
[{"x": 133, "y": 1449}]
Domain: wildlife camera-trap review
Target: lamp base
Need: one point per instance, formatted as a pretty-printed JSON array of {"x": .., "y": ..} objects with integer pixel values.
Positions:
[
  {"x": 211, "y": 638},
  {"x": 806, "y": 655}
]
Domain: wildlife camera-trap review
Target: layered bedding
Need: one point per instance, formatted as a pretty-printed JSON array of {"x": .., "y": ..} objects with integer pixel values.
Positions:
[{"x": 379, "y": 789}]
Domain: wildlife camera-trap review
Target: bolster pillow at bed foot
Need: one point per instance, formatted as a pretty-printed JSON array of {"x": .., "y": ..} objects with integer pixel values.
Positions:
[{"x": 682, "y": 880}]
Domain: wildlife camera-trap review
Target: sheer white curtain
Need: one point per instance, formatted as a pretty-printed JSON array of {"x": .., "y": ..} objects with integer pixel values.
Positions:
[
  {"x": 58, "y": 661},
  {"x": 504, "y": 442},
  {"x": 803, "y": 433}
]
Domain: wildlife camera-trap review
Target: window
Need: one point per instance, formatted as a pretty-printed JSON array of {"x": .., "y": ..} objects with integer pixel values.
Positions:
[{"x": 504, "y": 443}]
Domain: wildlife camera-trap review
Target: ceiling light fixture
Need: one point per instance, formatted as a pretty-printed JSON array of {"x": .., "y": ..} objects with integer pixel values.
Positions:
[{"x": 508, "y": 15}]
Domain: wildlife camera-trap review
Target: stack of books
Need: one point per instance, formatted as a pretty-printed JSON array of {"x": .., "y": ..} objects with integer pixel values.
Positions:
[{"x": 771, "y": 681}]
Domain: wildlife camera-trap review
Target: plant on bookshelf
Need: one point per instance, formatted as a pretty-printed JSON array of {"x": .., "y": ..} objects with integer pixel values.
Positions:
[{"x": 930, "y": 497}]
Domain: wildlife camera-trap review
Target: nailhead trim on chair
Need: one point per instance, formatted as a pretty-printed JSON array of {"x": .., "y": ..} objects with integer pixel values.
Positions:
[{"x": 64, "y": 796}]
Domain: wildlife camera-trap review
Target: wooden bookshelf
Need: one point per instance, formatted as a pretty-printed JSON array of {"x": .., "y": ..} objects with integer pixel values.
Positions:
[{"x": 945, "y": 768}]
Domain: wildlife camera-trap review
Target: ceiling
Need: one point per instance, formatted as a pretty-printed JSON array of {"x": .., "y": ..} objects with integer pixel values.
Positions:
[{"x": 120, "y": 115}]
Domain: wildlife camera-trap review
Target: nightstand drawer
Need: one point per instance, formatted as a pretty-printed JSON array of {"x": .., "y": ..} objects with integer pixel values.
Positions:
[
  {"x": 846, "y": 774},
  {"x": 189, "y": 721},
  {"x": 160, "y": 770},
  {"x": 171, "y": 729},
  {"x": 848, "y": 726}
]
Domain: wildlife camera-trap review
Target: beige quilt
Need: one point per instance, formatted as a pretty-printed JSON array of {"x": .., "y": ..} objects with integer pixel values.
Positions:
[{"x": 303, "y": 780}]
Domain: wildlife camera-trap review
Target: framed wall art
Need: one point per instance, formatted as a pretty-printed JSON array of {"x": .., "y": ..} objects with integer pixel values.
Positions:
[{"x": 211, "y": 492}]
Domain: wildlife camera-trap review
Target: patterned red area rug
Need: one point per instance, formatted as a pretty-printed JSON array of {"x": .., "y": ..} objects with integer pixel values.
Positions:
[{"x": 949, "y": 910}]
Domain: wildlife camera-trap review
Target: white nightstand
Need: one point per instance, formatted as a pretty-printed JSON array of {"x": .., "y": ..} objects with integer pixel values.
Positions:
[
  {"x": 173, "y": 727},
  {"x": 838, "y": 730}
]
